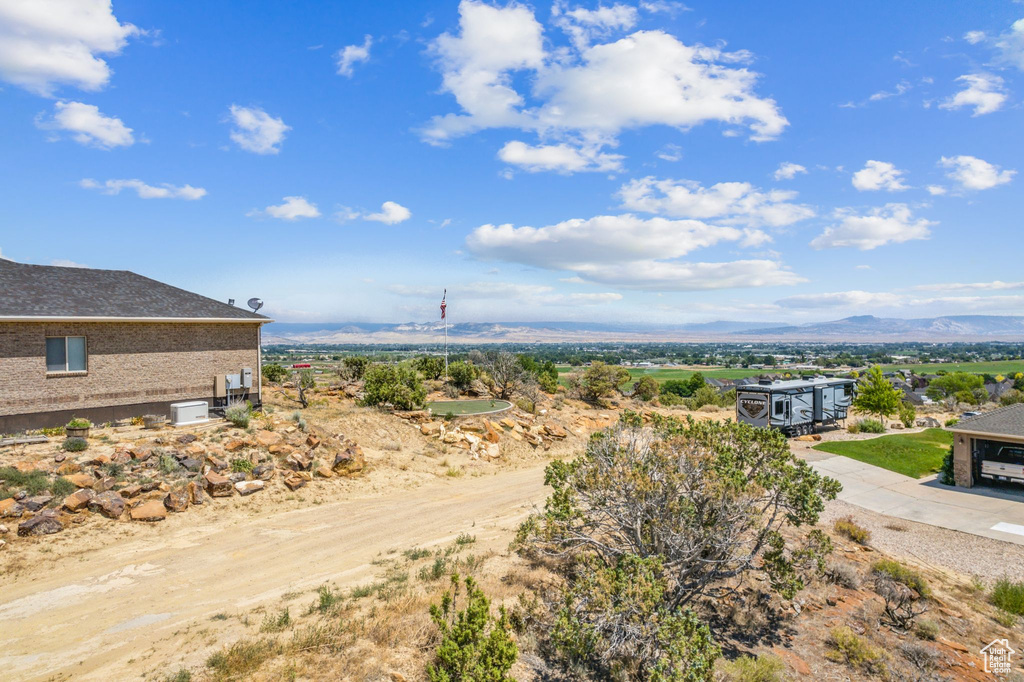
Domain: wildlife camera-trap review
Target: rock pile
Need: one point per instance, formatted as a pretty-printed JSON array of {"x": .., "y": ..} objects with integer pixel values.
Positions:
[{"x": 482, "y": 437}]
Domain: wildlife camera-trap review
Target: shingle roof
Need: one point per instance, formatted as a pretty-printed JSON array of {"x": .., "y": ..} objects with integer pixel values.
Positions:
[
  {"x": 1006, "y": 420},
  {"x": 58, "y": 292}
]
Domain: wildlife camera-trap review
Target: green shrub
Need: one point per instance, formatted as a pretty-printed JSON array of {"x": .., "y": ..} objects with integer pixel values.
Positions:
[
  {"x": 276, "y": 623},
  {"x": 869, "y": 426},
  {"x": 952, "y": 421},
  {"x": 74, "y": 444},
  {"x": 183, "y": 675},
  {"x": 242, "y": 658},
  {"x": 461, "y": 374},
  {"x": 474, "y": 647},
  {"x": 434, "y": 571},
  {"x": 168, "y": 464},
  {"x": 946, "y": 473},
  {"x": 763, "y": 668},
  {"x": 62, "y": 487},
  {"x": 646, "y": 389},
  {"x": 845, "y": 646},
  {"x": 354, "y": 366},
  {"x": 33, "y": 482},
  {"x": 395, "y": 385},
  {"x": 274, "y": 372},
  {"x": 907, "y": 414},
  {"x": 241, "y": 465},
  {"x": 926, "y": 629},
  {"x": 239, "y": 415},
  {"x": 1009, "y": 596},
  {"x": 79, "y": 423},
  {"x": 1005, "y": 618},
  {"x": 847, "y": 527},
  {"x": 902, "y": 574}
]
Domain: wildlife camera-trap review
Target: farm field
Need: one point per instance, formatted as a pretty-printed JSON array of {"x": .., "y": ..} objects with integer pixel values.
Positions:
[
  {"x": 1004, "y": 367},
  {"x": 464, "y": 407},
  {"x": 910, "y": 454}
]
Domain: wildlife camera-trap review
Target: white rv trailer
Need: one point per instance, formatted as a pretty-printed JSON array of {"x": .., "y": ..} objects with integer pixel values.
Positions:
[{"x": 795, "y": 407}]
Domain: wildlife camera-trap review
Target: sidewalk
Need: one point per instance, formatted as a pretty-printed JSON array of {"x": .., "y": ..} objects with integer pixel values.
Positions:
[{"x": 989, "y": 512}]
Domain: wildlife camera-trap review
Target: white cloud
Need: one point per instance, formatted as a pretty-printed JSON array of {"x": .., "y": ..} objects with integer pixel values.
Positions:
[
  {"x": 666, "y": 6},
  {"x": 539, "y": 294},
  {"x": 974, "y": 37},
  {"x": 292, "y": 208},
  {"x": 562, "y": 158},
  {"x": 390, "y": 214},
  {"x": 936, "y": 190},
  {"x": 901, "y": 88},
  {"x": 974, "y": 173},
  {"x": 257, "y": 131},
  {"x": 87, "y": 125},
  {"x": 726, "y": 202},
  {"x": 1010, "y": 45},
  {"x": 46, "y": 43},
  {"x": 144, "y": 191},
  {"x": 841, "y": 299},
  {"x": 350, "y": 55},
  {"x": 970, "y": 286},
  {"x": 670, "y": 152},
  {"x": 984, "y": 92},
  {"x": 890, "y": 224},
  {"x": 878, "y": 175},
  {"x": 788, "y": 170},
  {"x": 588, "y": 95},
  {"x": 583, "y": 25},
  {"x": 64, "y": 263},
  {"x": 628, "y": 251}
]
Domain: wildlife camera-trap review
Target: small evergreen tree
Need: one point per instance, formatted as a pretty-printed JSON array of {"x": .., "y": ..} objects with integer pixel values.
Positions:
[
  {"x": 475, "y": 646},
  {"x": 396, "y": 385}
]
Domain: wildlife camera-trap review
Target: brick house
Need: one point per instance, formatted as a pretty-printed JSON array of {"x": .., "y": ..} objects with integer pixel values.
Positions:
[
  {"x": 110, "y": 344},
  {"x": 989, "y": 437}
]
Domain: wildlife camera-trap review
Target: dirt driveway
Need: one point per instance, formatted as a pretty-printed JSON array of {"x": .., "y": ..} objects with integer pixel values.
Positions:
[{"x": 117, "y": 612}]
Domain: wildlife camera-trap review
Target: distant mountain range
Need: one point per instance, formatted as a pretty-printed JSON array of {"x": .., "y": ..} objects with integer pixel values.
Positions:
[{"x": 859, "y": 328}]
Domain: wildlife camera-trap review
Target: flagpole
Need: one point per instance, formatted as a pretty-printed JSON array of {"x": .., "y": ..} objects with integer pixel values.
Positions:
[{"x": 444, "y": 316}]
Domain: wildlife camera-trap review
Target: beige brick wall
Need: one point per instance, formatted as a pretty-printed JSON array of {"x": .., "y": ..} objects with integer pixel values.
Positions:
[{"x": 128, "y": 363}]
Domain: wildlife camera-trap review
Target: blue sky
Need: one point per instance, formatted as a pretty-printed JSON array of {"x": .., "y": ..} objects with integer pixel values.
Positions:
[{"x": 640, "y": 162}]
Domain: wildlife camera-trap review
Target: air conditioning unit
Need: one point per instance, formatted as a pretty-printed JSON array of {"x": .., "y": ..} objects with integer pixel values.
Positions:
[{"x": 192, "y": 412}]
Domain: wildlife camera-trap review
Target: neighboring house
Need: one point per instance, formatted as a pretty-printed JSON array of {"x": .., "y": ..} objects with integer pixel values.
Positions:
[
  {"x": 988, "y": 438},
  {"x": 110, "y": 344}
]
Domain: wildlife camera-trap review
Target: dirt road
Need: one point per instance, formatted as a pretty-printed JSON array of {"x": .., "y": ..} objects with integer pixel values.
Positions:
[{"x": 114, "y": 613}]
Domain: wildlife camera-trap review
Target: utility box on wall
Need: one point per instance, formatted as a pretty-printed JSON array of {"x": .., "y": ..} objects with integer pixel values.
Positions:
[
  {"x": 247, "y": 377},
  {"x": 192, "y": 412},
  {"x": 234, "y": 381}
]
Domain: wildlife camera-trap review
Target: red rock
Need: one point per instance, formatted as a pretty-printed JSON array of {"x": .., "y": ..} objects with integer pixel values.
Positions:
[
  {"x": 294, "y": 481},
  {"x": 141, "y": 453},
  {"x": 218, "y": 486},
  {"x": 110, "y": 504},
  {"x": 268, "y": 438},
  {"x": 82, "y": 480},
  {"x": 235, "y": 445},
  {"x": 312, "y": 441},
  {"x": 78, "y": 500},
  {"x": 10, "y": 507},
  {"x": 177, "y": 500},
  {"x": 280, "y": 449},
  {"x": 152, "y": 510},
  {"x": 69, "y": 467},
  {"x": 324, "y": 472}
]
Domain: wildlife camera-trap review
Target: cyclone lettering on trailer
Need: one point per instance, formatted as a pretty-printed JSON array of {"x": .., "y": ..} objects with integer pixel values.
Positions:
[{"x": 753, "y": 408}]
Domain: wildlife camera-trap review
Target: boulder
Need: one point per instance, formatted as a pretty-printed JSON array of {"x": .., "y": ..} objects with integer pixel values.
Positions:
[
  {"x": 59, "y": 457},
  {"x": 237, "y": 476},
  {"x": 248, "y": 487},
  {"x": 324, "y": 471},
  {"x": 152, "y": 485},
  {"x": 187, "y": 438},
  {"x": 196, "y": 450},
  {"x": 153, "y": 510},
  {"x": 350, "y": 461},
  {"x": 195, "y": 493},
  {"x": 121, "y": 457},
  {"x": 34, "y": 504},
  {"x": 312, "y": 442},
  {"x": 178, "y": 499},
  {"x": 99, "y": 460},
  {"x": 104, "y": 484},
  {"x": 130, "y": 491},
  {"x": 69, "y": 467},
  {"x": 294, "y": 481},
  {"x": 217, "y": 463},
  {"x": 44, "y": 523},
  {"x": 280, "y": 449},
  {"x": 490, "y": 433},
  {"x": 555, "y": 431},
  {"x": 78, "y": 500},
  {"x": 82, "y": 480},
  {"x": 265, "y": 471},
  {"x": 300, "y": 461},
  {"x": 110, "y": 504},
  {"x": 4, "y": 530},
  {"x": 235, "y": 445},
  {"x": 928, "y": 422},
  {"x": 268, "y": 438},
  {"x": 141, "y": 453},
  {"x": 191, "y": 464},
  {"x": 809, "y": 438},
  {"x": 430, "y": 428},
  {"x": 217, "y": 485}
]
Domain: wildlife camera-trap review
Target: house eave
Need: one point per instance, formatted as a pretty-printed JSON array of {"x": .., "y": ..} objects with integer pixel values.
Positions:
[{"x": 135, "y": 320}]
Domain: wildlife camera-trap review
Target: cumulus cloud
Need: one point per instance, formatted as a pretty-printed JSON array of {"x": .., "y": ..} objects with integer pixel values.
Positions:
[
  {"x": 900, "y": 89},
  {"x": 47, "y": 43},
  {"x": 983, "y": 91},
  {"x": 890, "y": 224},
  {"x": 390, "y": 213},
  {"x": 257, "y": 131},
  {"x": 974, "y": 173},
  {"x": 996, "y": 285},
  {"x": 350, "y": 55},
  {"x": 65, "y": 263},
  {"x": 936, "y": 190},
  {"x": 974, "y": 37},
  {"x": 87, "y": 125},
  {"x": 163, "y": 191},
  {"x": 583, "y": 25},
  {"x": 878, "y": 175},
  {"x": 562, "y": 158},
  {"x": 861, "y": 300},
  {"x": 588, "y": 94},
  {"x": 1010, "y": 45},
  {"x": 291, "y": 209},
  {"x": 788, "y": 170},
  {"x": 725, "y": 202},
  {"x": 628, "y": 251}
]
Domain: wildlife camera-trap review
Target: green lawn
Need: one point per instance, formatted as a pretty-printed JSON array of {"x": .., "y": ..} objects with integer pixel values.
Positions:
[
  {"x": 461, "y": 407},
  {"x": 1005, "y": 367},
  {"x": 910, "y": 454}
]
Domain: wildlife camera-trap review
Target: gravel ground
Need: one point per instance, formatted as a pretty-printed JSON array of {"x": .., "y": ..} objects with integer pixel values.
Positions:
[{"x": 941, "y": 548}]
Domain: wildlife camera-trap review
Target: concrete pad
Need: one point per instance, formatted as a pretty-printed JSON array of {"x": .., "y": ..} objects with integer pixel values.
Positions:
[{"x": 879, "y": 500}]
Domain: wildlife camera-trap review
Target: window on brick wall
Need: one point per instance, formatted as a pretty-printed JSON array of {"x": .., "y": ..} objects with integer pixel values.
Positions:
[{"x": 66, "y": 354}]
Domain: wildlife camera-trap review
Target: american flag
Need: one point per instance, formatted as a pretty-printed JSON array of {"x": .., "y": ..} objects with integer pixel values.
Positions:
[{"x": 443, "y": 304}]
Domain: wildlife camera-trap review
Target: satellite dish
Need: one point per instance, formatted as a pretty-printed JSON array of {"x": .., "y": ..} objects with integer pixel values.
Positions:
[{"x": 255, "y": 304}]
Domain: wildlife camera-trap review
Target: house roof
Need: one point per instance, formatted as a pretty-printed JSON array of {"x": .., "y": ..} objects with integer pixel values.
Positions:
[
  {"x": 1007, "y": 421},
  {"x": 62, "y": 293}
]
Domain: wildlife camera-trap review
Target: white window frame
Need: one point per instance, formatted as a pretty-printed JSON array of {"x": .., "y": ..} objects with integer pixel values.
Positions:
[{"x": 85, "y": 342}]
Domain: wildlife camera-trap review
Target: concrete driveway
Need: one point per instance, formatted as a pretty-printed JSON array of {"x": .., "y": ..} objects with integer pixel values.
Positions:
[{"x": 991, "y": 512}]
